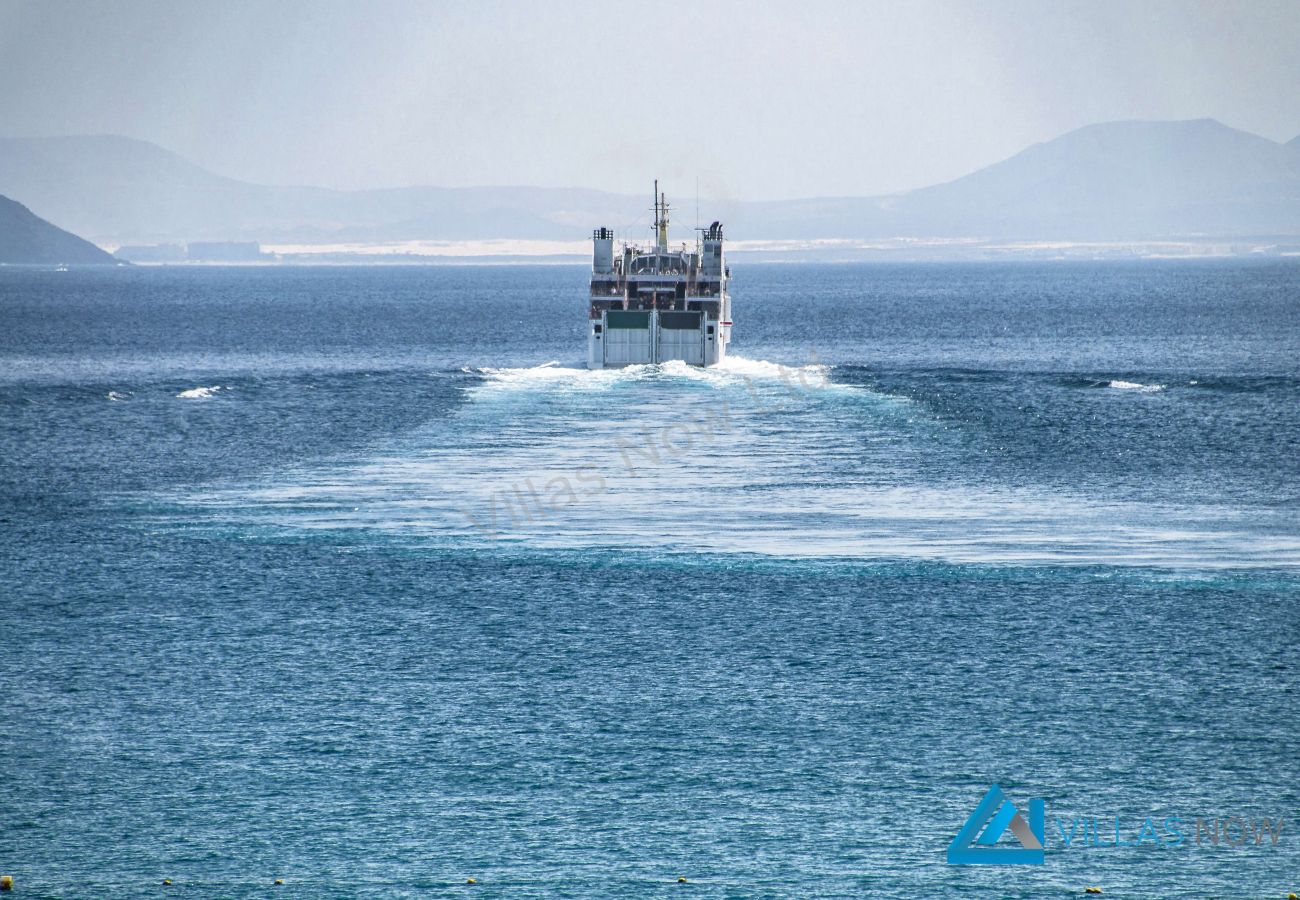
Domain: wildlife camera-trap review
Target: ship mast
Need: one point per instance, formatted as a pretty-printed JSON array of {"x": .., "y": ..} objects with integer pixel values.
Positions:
[{"x": 661, "y": 219}]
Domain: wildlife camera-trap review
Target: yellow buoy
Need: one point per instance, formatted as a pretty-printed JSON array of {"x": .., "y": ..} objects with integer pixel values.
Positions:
[
  {"x": 6, "y": 882},
  {"x": 278, "y": 881},
  {"x": 681, "y": 879},
  {"x": 166, "y": 882},
  {"x": 470, "y": 881}
]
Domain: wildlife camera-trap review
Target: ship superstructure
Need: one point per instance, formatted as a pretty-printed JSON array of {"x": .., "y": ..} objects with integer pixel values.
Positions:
[{"x": 655, "y": 304}]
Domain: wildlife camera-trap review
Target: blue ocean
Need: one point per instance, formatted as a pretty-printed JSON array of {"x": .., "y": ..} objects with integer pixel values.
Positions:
[{"x": 355, "y": 578}]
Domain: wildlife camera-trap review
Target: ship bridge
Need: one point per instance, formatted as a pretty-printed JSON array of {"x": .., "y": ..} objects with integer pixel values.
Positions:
[{"x": 662, "y": 264}]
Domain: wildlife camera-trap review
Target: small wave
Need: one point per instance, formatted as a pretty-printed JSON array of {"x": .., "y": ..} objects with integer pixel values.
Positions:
[
  {"x": 1136, "y": 386},
  {"x": 551, "y": 379},
  {"x": 761, "y": 368},
  {"x": 120, "y": 395},
  {"x": 1245, "y": 384},
  {"x": 200, "y": 393},
  {"x": 545, "y": 372}
]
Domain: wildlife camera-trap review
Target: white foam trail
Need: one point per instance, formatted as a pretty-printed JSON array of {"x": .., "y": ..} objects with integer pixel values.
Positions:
[
  {"x": 1136, "y": 386},
  {"x": 200, "y": 393},
  {"x": 733, "y": 370},
  {"x": 120, "y": 395}
]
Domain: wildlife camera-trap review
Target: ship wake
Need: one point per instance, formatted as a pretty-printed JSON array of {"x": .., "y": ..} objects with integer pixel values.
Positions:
[{"x": 752, "y": 458}]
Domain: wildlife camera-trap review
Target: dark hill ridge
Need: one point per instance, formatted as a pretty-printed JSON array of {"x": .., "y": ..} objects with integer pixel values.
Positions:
[
  {"x": 1111, "y": 181},
  {"x": 27, "y": 239}
]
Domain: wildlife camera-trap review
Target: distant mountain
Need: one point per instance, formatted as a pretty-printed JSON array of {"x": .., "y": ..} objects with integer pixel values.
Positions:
[
  {"x": 1123, "y": 179},
  {"x": 25, "y": 238},
  {"x": 1118, "y": 180},
  {"x": 123, "y": 191},
  {"x": 1113, "y": 181}
]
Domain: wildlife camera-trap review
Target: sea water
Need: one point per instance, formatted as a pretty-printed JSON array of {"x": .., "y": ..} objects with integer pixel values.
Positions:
[{"x": 356, "y": 578}]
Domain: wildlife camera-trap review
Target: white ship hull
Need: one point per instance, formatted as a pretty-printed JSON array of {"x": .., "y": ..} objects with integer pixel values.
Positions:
[{"x": 634, "y": 338}]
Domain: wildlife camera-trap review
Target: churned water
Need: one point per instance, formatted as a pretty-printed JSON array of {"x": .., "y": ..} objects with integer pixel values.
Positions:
[{"x": 355, "y": 578}]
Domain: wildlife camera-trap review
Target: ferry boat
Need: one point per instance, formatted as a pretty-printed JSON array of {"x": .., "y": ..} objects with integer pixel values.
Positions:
[{"x": 655, "y": 304}]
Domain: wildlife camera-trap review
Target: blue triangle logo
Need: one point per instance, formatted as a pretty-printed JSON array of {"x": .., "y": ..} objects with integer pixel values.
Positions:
[{"x": 977, "y": 842}]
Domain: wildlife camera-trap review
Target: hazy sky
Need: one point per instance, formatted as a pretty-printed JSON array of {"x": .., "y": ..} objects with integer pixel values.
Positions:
[{"x": 755, "y": 100}]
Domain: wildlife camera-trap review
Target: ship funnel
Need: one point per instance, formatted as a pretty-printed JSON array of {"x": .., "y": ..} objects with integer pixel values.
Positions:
[
  {"x": 713, "y": 264},
  {"x": 602, "y": 254}
]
